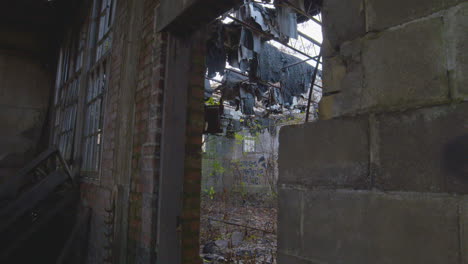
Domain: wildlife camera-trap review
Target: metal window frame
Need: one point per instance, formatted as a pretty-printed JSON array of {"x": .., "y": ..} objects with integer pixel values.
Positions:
[
  {"x": 94, "y": 97},
  {"x": 67, "y": 90},
  {"x": 94, "y": 120}
]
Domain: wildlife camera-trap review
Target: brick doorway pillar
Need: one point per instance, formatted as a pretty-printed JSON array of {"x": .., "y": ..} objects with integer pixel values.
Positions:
[
  {"x": 183, "y": 121},
  {"x": 182, "y": 125}
]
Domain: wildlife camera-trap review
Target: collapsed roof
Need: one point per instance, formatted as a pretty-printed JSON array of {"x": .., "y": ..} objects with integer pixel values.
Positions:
[{"x": 263, "y": 72}]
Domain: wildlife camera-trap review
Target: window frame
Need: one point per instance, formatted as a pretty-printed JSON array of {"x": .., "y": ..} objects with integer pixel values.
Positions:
[
  {"x": 249, "y": 148},
  {"x": 79, "y": 61},
  {"x": 96, "y": 88},
  {"x": 67, "y": 91}
]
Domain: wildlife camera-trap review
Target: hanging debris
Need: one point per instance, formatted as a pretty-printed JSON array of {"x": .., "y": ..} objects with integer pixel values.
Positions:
[
  {"x": 216, "y": 52},
  {"x": 304, "y": 8},
  {"x": 266, "y": 74}
]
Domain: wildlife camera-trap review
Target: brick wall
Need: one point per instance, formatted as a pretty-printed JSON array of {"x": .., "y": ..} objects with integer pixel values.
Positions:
[
  {"x": 131, "y": 159},
  {"x": 142, "y": 134},
  {"x": 192, "y": 175},
  {"x": 386, "y": 182},
  {"x": 98, "y": 194},
  {"x": 146, "y": 141}
]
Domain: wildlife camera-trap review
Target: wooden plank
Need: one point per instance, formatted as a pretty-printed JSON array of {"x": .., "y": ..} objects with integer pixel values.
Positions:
[
  {"x": 10, "y": 188},
  {"x": 65, "y": 165}
]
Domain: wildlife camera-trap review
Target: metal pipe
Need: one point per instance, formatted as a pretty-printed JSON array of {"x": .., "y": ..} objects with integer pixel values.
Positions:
[
  {"x": 294, "y": 64},
  {"x": 260, "y": 81},
  {"x": 302, "y": 34},
  {"x": 312, "y": 87}
]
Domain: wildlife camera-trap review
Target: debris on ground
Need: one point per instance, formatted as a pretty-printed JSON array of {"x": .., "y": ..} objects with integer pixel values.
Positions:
[{"x": 238, "y": 232}]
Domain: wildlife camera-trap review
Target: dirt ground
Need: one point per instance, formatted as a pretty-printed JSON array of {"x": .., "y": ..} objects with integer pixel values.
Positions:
[{"x": 238, "y": 230}]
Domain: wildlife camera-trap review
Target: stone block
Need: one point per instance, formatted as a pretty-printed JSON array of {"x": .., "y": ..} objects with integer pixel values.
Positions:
[
  {"x": 289, "y": 259},
  {"x": 335, "y": 227},
  {"x": 291, "y": 139},
  {"x": 464, "y": 230},
  {"x": 457, "y": 28},
  {"x": 356, "y": 227},
  {"x": 450, "y": 3},
  {"x": 344, "y": 74},
  {"x": 422, "y": 150},
  {"x": 290, "y": 206},
  {"x": 405, "y": 66},
  {"x": 382, "y": 14},
  {"x": 342, "y": 21},
  {"x": 331, "y": 153}
]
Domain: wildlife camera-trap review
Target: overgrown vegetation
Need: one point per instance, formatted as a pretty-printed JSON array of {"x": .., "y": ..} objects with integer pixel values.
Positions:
[
  {"x": 238, "y": 223},
  {"x": 237, "y": 212}
]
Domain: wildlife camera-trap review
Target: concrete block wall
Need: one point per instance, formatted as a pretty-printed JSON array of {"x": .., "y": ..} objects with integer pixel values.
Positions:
[
  {"x": 131, "y": 180},
  {"x": 23, "y": 101},
  {"x": 396, "y": 60},
  {"x": 225, "y": 164},
  {"x": 383, "y": 176}
]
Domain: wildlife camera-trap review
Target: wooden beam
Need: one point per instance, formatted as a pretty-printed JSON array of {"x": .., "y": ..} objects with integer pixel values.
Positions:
[{"x": 9, "y": 188}]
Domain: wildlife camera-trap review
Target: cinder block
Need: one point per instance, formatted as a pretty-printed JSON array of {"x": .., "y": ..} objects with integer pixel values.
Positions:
[
  {"x": 289, "y": 259},
  {"x": 423, "y": 150},
  {"x": 335, "y": 227},
  {"x": 342, "y": 21},
  {"x": 344, "y": 74},
  {"x": 356, "y": 227},
  {"x": 450, "y": 3},
  {"x": 457, "y": 28},
  {"x": 382, "y": 14},
  {"x": 331, "y": 153},
  {"x": 464, "y": 230},
  {"x": 406, "y": 66},
  {"x": 291, "y": 140},
  {"x": 290, "y": 206}
]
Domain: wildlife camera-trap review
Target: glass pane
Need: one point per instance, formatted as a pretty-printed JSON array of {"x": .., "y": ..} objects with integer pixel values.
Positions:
[
  {"x": 85, "y": 156},
  {"x": 86, "y": 128},
  {"x": 98, "y": 152},
  {"x": 90, "y": 88},
  {"x": 91, "y": 152},
  {"x": 111, "y": 13},
  {"x": 103, "y": 4},
  {"x": 91, "y": 118}
]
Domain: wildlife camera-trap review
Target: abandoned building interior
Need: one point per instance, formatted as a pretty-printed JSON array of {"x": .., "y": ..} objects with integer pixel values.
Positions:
[{"x": 234, "y": 131}]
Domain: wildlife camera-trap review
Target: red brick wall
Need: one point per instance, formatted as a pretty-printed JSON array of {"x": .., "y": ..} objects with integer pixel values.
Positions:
[
  {"x": 98, "y": 199},
  {"x": 98, "y": 194},
  {"x": 146, "y": 141},
  {"x": 146, "y": 137},
  {"x": 192, "y": 175}
]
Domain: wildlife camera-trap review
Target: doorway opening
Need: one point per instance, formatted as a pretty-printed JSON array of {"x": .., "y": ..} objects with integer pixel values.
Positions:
[{"x": 263, "y": 72}]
